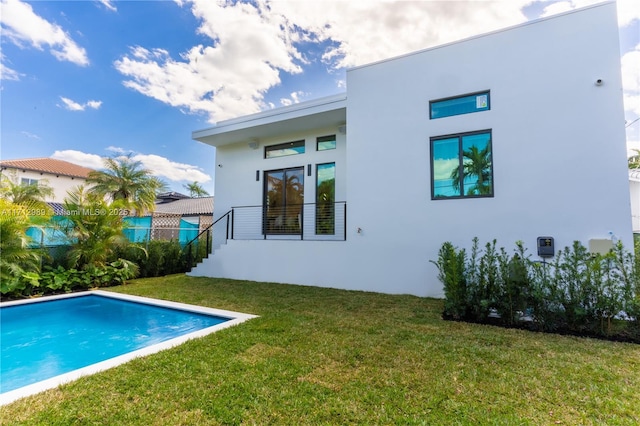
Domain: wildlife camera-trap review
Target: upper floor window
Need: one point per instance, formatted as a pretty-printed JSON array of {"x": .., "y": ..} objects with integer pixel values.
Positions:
[
  {"x": 457, "y": 105},
  {"x": 27, "y": 181},
  {"x": 283, "y": 149},
  {"x": 326, "y": 142},
  {"x": 462, "y": 165}
]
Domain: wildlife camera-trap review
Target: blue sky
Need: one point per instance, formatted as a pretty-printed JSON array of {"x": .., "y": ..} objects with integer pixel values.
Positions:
[{"x": 86, "y": 79}]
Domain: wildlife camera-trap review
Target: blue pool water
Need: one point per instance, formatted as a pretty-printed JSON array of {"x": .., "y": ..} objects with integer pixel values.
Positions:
[{"x": 45, "y": 339}]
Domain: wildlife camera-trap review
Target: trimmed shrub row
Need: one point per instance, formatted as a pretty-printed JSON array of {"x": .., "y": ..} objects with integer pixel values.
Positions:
[{"x": 576, "y": 292}]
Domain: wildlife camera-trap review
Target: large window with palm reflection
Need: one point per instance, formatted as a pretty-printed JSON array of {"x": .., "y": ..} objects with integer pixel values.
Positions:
[
  {"x": 462, "y": 165},
  {"x": 283, "y": 201}
]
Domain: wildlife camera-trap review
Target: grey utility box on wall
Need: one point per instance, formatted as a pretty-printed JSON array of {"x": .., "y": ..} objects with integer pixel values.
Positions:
[{"x": 546, "y": 247}]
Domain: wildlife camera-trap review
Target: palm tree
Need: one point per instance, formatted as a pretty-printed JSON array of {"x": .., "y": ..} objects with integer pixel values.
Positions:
[
  {"x": 127, "y": 183},
  {"x": 15, "y": 256},
  {"x": 476, "y": 163},
  {"x": 30, "y": 196},
  {"x": 195, "y": 190},
  {"x": 93, "y": 229}
]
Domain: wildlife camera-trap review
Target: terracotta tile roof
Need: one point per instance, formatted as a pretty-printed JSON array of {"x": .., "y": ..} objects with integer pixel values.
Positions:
[
  {"x": 187, "y": 206},
  {"x": 47, "y": 165}
]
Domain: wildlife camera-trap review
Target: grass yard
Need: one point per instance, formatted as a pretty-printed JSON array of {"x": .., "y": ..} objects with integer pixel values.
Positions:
[{"x": 331, "y": 357}]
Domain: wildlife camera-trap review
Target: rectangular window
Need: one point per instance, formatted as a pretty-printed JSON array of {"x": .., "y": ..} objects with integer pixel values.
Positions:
[
  {"x": 326, "y": 142},
  {"x": 284, "y": 149},
  {"x": 27, "y": 181},
  {"x": 326, "y": 199},
  {"x": 462, "y": 165},
  {"x": 457, "y": 105}
]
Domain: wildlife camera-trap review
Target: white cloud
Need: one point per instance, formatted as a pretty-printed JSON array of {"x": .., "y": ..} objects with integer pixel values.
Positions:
[
  {"x": 7, "y": 73},
  {"x": 293, "y": 99},
  {"x": 109, "y": 5},
  {"x": 75, "y": 106},
  {"x": 159, "y": 166},
  {"x": 78, "y": 157},
  {"x": 30, "y": 135},
  {"x": 225, "y": 78},
  {"x": 631, "y": 83},
  {"x": 22, "y": 26},
  {"x": 116, "y": 149},
  {"x": 165, "y": 168},
  {"x": 631, "y": 70},
  {"x": 628, "y": 10},
  {"x": 363, "y": 32}
]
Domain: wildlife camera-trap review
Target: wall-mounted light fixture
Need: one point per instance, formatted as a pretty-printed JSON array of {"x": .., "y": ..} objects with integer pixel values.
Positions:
[
  {"x": 220, "y": 165},
  {"x": 342, "y": 129},
  {"x": 599, "y": 82},
  {"x": 308, "y": 169},
  {"x": 257, "y": 175},
  {"x": 254, "y": 143}
]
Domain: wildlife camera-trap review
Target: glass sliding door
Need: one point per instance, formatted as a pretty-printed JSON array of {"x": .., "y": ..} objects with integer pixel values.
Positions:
[{"x": 283, "y": 201}]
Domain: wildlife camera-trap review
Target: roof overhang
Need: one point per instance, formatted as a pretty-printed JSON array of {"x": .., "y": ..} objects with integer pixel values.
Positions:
[{"x": 320, "y": 113}]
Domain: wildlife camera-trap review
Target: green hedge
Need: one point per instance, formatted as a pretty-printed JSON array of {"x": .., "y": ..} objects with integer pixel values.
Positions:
[{"x": 576, "y": 292}]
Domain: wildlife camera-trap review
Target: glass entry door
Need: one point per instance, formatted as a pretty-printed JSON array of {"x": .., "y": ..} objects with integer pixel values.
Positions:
[{"x": 283, "y": 200}]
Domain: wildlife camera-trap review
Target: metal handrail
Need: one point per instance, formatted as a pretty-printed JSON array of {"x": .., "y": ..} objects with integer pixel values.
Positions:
[{"x": 293, "y": 221}]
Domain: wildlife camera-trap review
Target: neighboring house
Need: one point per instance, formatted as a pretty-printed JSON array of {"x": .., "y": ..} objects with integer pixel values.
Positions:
[
  {"x": 512, "y": 135},
  {"x": 60, "y": 175},
  {"x": 634, "y": 189},
  {"x": 176, "y": 217}
]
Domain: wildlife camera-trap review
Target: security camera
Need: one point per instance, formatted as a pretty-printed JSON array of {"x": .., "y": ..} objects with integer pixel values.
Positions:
[{"x": 599, "y": 82}]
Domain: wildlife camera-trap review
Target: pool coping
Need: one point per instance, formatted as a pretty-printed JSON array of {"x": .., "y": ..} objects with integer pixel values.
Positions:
[{"x": 235, "y": 318}]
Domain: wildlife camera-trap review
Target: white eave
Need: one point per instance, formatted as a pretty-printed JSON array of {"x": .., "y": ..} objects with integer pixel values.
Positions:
[{"x": 325, "y": 112}]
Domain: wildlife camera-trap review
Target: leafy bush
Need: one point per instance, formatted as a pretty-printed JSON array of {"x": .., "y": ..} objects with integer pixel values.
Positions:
[
  {"x": 577, "y": 292},
  {"x": 155, "y": 258},
  {"x": 61, "y": 280}
]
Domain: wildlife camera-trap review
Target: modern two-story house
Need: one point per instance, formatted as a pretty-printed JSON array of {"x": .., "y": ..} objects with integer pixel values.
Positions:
[{"x": 512, "y": 135}]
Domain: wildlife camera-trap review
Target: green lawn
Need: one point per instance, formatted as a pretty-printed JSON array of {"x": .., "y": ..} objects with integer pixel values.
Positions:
[{"x": 331, "y": 357}]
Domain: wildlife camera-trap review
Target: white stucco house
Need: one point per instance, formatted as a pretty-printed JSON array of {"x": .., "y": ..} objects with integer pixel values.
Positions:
[
  {"x": 360, "y": 190},
  {"x": 60, "y": 175}
]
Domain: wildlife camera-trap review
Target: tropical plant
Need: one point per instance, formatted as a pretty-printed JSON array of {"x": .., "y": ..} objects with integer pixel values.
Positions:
[
  {"x": 476, "y": 164},
  {"x": 31, "y": 196},
  {"x": 634, "y": 160},
  {"x": 15, "y": 256},
  {"x": 93, "y": 228},
  {"x": 195, "y": 190},
  {"x": 126, "y": 183}
]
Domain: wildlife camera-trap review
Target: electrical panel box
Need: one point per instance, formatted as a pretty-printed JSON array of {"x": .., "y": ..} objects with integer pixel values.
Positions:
[{"x": 546, "y": 247}]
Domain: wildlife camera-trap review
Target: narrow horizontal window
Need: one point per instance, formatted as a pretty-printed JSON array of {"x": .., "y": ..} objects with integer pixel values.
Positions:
[
  {"x": 324, "y": 143},
  {"x": 462, "y": 165},
  {"x": 284, "y": 149},
  {"x": 465, "y": 104},
  {"x": 27, "y": 181}
]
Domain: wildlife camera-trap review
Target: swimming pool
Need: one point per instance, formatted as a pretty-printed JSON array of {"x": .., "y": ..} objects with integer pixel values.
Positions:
[{"x": 52, "y": 340}]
